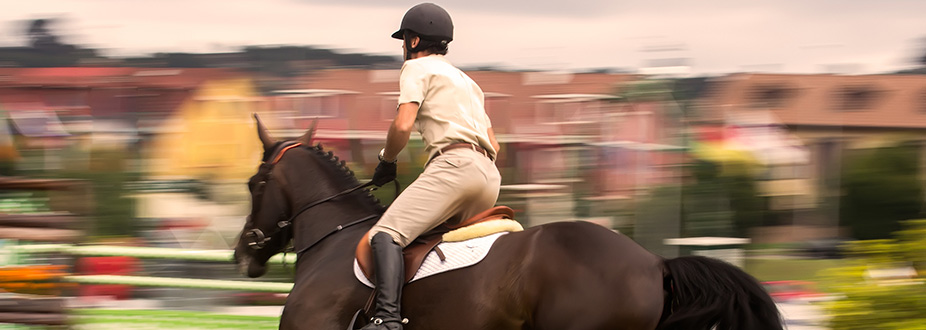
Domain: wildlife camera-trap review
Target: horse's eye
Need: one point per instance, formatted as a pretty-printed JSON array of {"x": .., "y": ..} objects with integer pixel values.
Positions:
[{"x": 254, "y": 184}]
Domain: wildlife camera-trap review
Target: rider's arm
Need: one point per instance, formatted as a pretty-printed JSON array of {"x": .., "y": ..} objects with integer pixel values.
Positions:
[
  {"x": 400, "y": 130},
  {"x": 493, "y": 141}
]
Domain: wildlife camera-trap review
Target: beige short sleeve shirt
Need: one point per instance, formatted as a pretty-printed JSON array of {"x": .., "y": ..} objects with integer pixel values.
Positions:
[{"x": 451, "y": 105}]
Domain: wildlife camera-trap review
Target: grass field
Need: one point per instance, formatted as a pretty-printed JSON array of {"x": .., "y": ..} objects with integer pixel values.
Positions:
[
  {"x": 779, "y": 269},
  {"x": 159, "y": 319}
]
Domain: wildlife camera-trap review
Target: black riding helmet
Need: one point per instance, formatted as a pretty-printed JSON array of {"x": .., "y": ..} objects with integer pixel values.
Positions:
[{"x": 428, "y": 21}]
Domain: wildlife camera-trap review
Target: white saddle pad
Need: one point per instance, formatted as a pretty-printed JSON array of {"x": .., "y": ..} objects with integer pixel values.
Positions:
[{"x": 458, "y": 255}]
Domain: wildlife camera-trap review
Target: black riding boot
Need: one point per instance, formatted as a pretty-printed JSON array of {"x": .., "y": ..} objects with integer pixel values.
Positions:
[{"x": 389, "y": 277}]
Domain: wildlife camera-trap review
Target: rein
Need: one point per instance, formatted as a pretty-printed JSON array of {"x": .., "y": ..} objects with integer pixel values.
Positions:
[
  {"x": 335, "y": 231},
  {"x": 260, "y": 240},
  {"x": 341, "y": 227}
]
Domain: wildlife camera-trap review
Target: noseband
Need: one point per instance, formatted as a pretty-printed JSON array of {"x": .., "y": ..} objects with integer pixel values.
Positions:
[{"x": 259, "y": 240}]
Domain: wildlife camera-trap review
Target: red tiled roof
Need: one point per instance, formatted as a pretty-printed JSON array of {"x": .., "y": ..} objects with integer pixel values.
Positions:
[
  {"x": 75, "y": 72},
  {"x": 897, "y": 101},
  {"x": 518, "y": 91},
  {"x": 81, "y": 77}
]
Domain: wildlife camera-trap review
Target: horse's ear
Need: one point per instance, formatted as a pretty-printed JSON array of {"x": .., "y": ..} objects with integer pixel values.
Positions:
[
  {"x": 306, "y": 139},
  {"x": 264, "y": 135}
]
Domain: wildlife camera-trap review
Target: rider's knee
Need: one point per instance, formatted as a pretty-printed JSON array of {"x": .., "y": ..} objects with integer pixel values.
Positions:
[{"x": 383, "y": 237}]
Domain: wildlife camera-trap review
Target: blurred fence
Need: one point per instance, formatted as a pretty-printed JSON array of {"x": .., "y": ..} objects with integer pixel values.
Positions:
[{"x": 158, "y": 253}]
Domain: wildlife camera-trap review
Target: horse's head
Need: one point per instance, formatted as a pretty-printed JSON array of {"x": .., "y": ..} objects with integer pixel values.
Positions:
[{"x": 266, "y": 231}]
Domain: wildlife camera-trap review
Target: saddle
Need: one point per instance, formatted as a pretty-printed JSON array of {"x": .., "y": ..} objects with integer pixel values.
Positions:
[{"x": 416, "y": 252}]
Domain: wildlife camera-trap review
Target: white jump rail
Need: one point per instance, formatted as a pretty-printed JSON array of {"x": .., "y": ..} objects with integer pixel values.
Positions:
[
  {"x": 187, "y": 283},
  {"x": 139, "y": 252},
  {"x": 158, "y": 253}
]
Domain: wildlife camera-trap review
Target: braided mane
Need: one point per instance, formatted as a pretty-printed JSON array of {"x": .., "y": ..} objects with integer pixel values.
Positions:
[{"x": 346, "y": 179}]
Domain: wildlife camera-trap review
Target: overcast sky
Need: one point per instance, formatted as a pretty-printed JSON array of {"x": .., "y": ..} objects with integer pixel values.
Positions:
[{"x": 715, "y": 36}]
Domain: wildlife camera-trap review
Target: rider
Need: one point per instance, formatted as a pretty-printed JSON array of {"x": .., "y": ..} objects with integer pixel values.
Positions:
[{"x": 460, "y": 178}]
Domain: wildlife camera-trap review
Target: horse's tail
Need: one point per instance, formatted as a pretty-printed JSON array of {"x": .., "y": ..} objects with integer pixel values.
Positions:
[{"x": 707, "y": 293}]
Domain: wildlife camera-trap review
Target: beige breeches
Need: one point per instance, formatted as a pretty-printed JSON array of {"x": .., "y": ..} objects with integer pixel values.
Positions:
[{"x": 453, "y": 187}]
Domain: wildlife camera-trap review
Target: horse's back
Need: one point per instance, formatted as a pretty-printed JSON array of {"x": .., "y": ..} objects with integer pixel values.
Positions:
[
  {"x": 566, "y": 275},
  {"x": 590, "y": 277}
]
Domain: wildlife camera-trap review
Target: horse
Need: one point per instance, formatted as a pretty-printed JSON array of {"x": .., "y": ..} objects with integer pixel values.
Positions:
[{"x": 561, "y": 275}]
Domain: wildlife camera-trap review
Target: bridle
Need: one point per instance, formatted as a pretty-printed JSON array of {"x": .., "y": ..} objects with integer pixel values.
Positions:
[{"x": 259, "y": 240}]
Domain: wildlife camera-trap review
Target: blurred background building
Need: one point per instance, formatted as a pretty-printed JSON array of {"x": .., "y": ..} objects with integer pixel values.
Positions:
[
  {"x": 590, "y": 146},
  {"x": 155, "y": 150}
]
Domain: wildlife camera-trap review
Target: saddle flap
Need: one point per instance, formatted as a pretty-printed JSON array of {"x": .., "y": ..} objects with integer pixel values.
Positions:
[{"x": 413, "y": 255}]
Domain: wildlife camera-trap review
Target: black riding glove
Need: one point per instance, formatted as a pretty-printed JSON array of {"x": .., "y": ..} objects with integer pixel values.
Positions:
[{"x": 385, "y": 172}]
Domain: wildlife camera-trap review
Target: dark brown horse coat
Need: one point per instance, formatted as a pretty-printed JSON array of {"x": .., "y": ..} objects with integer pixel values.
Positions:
[{"x": 560, "y": 276}]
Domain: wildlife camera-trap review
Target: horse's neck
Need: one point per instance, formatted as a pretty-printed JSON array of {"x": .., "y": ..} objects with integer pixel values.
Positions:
[
  {"x": 311, "y": 227},
  {"x": 311, "y": 230}
]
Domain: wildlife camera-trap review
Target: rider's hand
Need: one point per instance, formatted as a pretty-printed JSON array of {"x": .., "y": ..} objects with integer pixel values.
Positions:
[{"x": 385, "y": 172}]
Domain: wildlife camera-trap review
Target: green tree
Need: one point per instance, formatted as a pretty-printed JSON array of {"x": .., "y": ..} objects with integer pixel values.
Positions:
[
  {"x": 881, "y": 189},
  {"x": 877, "y": 302},
  {"x": 723, "y": 200},
  {"x": 109, "y": 172},
  {"x": 40, "y": 35}
]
